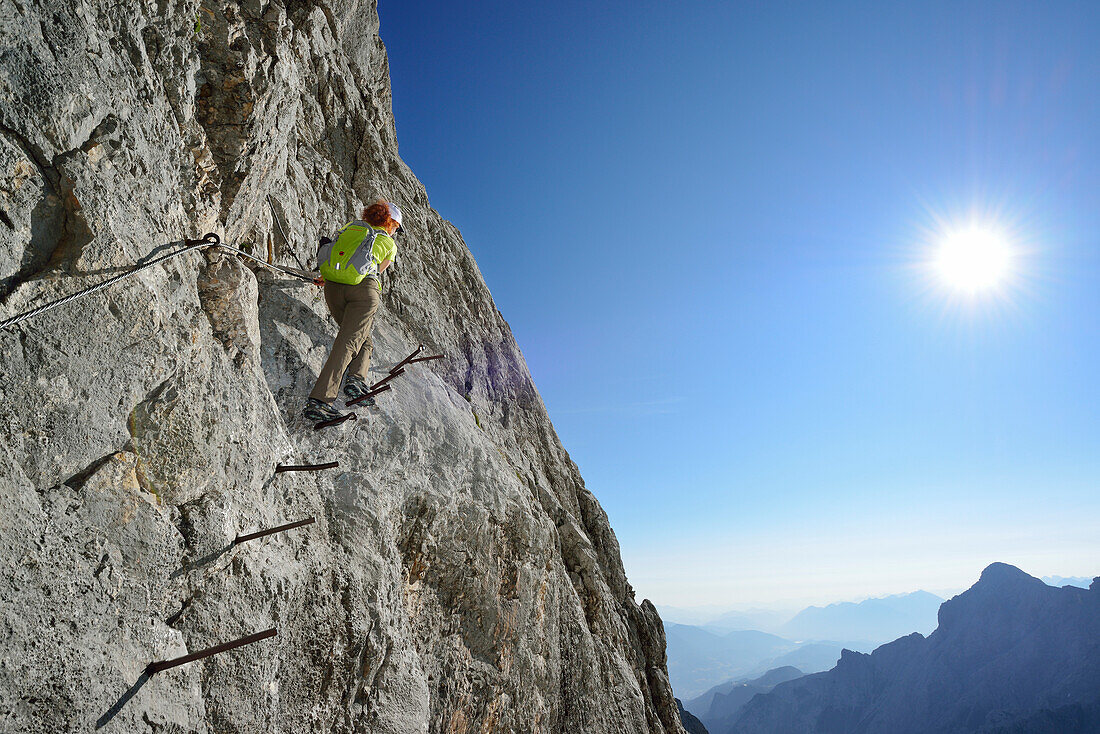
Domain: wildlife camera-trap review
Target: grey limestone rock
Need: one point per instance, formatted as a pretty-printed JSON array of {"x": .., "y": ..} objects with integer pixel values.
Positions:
[{"x": 459, "y": 576}]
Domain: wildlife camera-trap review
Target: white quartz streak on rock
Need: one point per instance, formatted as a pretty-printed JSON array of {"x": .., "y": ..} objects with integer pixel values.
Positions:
[{"x": 459, "y": 577}]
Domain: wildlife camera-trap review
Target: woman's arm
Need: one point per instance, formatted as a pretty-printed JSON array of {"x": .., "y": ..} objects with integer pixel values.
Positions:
[{"x": 385, "y": 264}]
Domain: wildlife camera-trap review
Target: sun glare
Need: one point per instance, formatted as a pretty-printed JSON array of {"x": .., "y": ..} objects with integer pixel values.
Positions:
[{"x": 974, "y": 259}]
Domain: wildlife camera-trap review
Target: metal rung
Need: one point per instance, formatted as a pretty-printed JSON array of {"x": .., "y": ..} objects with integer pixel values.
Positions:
[
  {"x": 426, "y": 359},
  {"x": 334, "y": 421},
  {"x": 156, "y": 667},
  {"x": 259, "y": 534},
  {"x": 406, "y": 360},
  {"x": 279, "y": 469}
]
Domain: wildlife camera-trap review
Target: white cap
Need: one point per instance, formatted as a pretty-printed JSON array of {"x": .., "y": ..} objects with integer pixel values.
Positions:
[{"x": 395, "y": 213}]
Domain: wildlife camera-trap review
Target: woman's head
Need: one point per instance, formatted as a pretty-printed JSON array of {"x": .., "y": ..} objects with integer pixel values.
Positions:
[{"x": 383, "y": 214}]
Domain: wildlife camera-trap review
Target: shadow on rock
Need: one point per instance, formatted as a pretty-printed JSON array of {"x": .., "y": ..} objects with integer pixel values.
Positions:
[
  {"x": 200, "y": 562},
  {"x": 282, "y": 350},
  {"x": 121, "y": 703}
]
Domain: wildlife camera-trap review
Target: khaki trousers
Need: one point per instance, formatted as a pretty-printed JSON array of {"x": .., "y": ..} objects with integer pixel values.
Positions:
[{"x": 353, "y": 307}]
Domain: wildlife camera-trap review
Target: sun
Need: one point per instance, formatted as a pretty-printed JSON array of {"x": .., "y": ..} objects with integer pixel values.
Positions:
[{"x": 973, "y": 259}]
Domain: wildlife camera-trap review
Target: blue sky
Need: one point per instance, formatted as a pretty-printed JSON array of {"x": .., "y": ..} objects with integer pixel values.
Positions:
[{"x": 709, "y": 226}]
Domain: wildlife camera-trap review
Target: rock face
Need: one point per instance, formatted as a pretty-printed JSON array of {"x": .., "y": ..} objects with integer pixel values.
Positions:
[
  {"x": 1010, "y": 654},
  {"x": 458, "y": 578},
  {"x": 691, "y": 724}
]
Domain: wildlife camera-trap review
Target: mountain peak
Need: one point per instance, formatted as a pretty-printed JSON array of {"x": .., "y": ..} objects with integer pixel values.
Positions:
[
  {"x": 1004, "y": 573},
  {"x": 1003, "y": 592}
]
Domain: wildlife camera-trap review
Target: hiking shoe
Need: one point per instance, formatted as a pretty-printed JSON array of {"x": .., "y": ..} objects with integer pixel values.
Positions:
[
  {"x": 356, "y": 388},
  {"x": 318, "y": 410}
]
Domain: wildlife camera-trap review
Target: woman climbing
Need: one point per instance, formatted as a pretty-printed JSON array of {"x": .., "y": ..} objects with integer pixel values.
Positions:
[{"x": 350, "y": 266}]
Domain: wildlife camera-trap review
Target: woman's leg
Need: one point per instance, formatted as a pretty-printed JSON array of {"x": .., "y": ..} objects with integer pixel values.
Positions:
[
  {"x": 334, "y": 299},
  {"x": 360, "y": 364},
  {"x": 358, "y": 304}
]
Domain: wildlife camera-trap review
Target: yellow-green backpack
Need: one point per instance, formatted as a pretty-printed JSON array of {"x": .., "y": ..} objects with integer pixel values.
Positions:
[{"x": 348, "y": 259}]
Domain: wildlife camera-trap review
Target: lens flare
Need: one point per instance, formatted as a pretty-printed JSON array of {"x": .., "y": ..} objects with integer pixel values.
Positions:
[{"x": 974, "y": 259}]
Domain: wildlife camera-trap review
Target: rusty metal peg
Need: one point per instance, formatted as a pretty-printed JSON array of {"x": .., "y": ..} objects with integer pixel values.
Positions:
[
  {"x": 427, "y": 359},
  {"x": 334, "y": 421},
  {"x": 368, "y": 395},
  {"x": 386, "y": 379},
  {"x": 278, "y": 529},
  {"x": 280, "y": 468},
  {"x": 377, "y": 390},
  {"x": 156, "y": 667},
  {"x": 406, "y": 360}
]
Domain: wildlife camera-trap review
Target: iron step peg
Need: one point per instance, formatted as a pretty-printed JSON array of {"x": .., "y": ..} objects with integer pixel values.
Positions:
[
  {"x": 376, "y": 388},
  {"x": 414, "y": 358},
  {"x": 280, "y": 468},
  {"x": 396, "y": 371},
  {"x": 380, "y": 386},
  {"x": 406, "y": 360},
  {"x": 334, "y": 421},
  {"x": 368, "y": 395},
  {"x": 385, "y": 379},
  {"x": 270, "y": 531},
  {"x": 427, "y": 359},
  {"x": 157, "y": 666}
]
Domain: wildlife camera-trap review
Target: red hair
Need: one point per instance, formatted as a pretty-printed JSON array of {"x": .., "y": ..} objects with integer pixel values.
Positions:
[{"x": 378, "y": 214}]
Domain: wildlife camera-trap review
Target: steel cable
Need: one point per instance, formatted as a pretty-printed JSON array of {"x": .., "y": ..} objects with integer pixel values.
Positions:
[{"x": 209, "y": 240}]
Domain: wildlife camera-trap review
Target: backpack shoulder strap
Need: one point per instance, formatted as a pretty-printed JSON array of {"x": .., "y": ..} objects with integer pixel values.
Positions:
[{"x": 363, "y": 258}]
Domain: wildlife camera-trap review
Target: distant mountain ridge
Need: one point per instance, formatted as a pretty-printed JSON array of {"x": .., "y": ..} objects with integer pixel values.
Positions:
[
  {"x": 719, "y": 707},
  {"x": 699, "y": 657},
  {"x": 701, "y": 704},
  {"x": 1010, "y": 655},
  {"x": 1081, "y": 581},
  {"x": 873, "y": 620}
]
